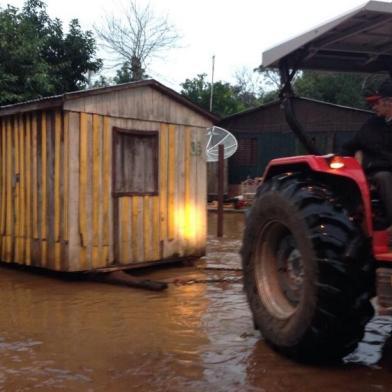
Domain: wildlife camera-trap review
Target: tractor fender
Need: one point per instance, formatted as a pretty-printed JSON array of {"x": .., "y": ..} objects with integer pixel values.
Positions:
[{"x": 349, "y": 178}]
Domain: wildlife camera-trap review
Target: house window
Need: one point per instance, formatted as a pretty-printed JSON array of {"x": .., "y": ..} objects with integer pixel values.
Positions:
[
  {"x": 246, "y": 154},
  {"x": 135, "y": 169}
]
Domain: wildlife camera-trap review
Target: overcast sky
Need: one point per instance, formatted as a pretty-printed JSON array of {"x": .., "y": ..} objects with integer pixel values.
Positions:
[{"x": 235, "y": 31}]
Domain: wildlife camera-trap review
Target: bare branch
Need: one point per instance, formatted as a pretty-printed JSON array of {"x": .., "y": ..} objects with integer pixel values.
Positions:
[
  {"x": 247, "y": 80},
  {"x": 137, "y": 36}
]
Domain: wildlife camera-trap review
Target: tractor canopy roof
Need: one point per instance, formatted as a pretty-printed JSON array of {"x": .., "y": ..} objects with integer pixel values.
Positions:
[{"x": 358, "y": 41}]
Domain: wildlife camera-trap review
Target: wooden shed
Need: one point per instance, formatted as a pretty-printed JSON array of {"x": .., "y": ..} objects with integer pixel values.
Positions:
[
  {"x": 109, "y": 177},
  {"x": 263, "y": 133}
]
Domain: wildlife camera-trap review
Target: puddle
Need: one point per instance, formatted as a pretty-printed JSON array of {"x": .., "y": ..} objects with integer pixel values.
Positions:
[{"x": 196, "y": 336}]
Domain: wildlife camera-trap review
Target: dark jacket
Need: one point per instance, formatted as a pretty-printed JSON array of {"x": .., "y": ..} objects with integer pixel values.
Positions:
[{"x": 374, "y": 139}]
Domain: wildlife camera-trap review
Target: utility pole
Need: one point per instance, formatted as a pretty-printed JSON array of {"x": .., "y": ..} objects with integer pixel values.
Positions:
[
  {"x": 221, "y": 190},
  {"x": 212, "y": 81}
]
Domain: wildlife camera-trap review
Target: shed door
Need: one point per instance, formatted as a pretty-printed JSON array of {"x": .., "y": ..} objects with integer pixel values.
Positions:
[{"x": 135, "y": 186}]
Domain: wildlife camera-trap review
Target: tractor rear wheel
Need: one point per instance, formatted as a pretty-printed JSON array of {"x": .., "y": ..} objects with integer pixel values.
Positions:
[{"x": 307, "y": 270}]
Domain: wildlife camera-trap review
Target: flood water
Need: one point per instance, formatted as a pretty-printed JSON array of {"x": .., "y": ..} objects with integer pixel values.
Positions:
[{"x": 195, "y": 336}]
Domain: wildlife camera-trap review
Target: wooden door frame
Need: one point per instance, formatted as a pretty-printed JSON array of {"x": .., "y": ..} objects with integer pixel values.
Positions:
[{"x": 116, "y": 195}]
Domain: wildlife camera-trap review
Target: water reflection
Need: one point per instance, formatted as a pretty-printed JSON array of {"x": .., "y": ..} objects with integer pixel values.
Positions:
[
  {"x": 233, "y": 225},
  {"x": 71, "y": 334},
  {"x": 80, "y": 336},
  {"x": 370, "y": 350}
]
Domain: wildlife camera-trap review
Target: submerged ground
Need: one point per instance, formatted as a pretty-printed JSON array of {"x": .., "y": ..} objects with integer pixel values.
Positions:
[{"x": 196, "y": 336}]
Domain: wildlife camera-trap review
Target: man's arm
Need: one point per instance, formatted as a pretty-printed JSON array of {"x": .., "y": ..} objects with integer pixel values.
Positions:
[
  {"x": 351, "y": 146},
  {"x": 358, "y": 141}
]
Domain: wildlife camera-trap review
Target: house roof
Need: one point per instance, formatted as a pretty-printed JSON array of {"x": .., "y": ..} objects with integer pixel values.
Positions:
[
  {"x": 277, "y": 102},
  {"x": 58, "y": 100},
  {"x": 358, "y": 41}
]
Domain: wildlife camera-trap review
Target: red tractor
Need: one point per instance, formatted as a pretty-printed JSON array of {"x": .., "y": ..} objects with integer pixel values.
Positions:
[{"x": 315, "y": 248}]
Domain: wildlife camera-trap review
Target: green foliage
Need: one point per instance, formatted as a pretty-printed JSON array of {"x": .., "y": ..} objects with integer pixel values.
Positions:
[
  {"x": 339, "y": 88},
  {"x": 269, "y": 96},
  {"x": 124, "y": 74},
  {"x": 345, "y": 89},
  {"x": 37, "y": 58},
  {"x": 227, "y": 99},
  {"x": 127, "y": 74},
  {"x": 103, "y": 81}
]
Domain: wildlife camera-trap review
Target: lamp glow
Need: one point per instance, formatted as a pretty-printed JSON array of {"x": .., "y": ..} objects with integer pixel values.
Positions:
[
  {"x": 190, "y": 221},
  {"x": 336, "y": 163}
]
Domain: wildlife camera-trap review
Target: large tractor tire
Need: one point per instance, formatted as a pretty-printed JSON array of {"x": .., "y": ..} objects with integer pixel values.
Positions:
[{"x": 307, "y": 270}]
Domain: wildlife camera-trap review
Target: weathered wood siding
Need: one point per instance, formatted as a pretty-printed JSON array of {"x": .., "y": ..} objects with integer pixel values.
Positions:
[
  {"x": 172, "y": 224},
  {"x": 57, "y": 209},
  {"x": 34, "y": 189},
  {"x": 90, "y": 207},
  {"x": 138, "y": 229},
  {"x": 145, "y": 104},
  {"x": 142, "y": 229}
]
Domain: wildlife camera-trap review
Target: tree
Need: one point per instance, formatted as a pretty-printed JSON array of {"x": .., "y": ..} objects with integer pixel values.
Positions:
[
  {"x": 137, "y": 38},
  {"x": 21, "y": 72},
  {"x": 125, "y": 74},
  {"x": 102, "y": 81},
  {"x": 248, "y": 87},
  {"x": 36, "y": 57},
  {"x": 225, "y": 102},
  {"x": 228, "y": 98},
  {"x": 271, "y": 77},
  {"x": 70, "y": 57},
  {"x": 345, "y": 89},
  {"x": 258, "y": 86}
]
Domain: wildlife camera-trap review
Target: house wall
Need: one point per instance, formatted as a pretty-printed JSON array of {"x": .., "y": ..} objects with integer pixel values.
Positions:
[
  {"x": 139, "y": 229},
  {"x": 147, "y": 104},
  {"x": 56, "y": 204},
  {"x": 327, "y": 125},
  {"x": 314, "y": 116},
  {"x": 34, "y": 189},
  {"x": 149, "y": 228}
]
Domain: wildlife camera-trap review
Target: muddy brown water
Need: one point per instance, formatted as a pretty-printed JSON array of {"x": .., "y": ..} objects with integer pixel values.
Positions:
[{"x": 196, "y": 336}]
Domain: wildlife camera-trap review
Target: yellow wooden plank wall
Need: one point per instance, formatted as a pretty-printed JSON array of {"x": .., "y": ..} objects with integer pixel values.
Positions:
[
  {"x": 172, "y": 224},
  {"x": 33, "y": 196},
  {"x": 199, "y": 191},
  {"x": 56, "y": 204},
  {"x": 92, "y": 205},
  {"x": 89, "y": 223},
  {"x": 35, "y": 190}
]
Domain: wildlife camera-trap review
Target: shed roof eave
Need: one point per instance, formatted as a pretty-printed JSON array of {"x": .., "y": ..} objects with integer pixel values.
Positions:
[
  {"x": 29, "y": 106},
  {"x": 58, "y": 100}
]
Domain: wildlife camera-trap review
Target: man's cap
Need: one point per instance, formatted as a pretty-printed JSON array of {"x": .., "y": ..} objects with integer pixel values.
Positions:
[{"x": 385, "y": 90}]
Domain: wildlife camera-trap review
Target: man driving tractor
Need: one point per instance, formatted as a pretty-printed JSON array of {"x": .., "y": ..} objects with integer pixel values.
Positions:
[{"x": 374, "y": 140}]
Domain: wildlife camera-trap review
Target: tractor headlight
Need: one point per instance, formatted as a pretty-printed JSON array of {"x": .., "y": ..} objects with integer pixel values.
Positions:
[{"x": 336, "y": 162}]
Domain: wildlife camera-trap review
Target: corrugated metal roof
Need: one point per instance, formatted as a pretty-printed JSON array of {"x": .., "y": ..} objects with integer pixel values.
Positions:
[
  {"x": 58, "y": 100},
  {"x": 358, "y": 41}
]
